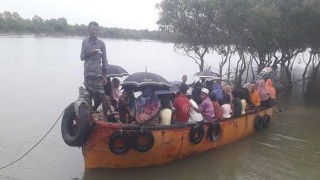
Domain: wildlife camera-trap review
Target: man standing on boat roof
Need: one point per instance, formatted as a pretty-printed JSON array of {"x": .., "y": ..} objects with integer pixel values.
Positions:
[
  {"x": 93, "y": 53},
  {"x": 267, "y": 73}
]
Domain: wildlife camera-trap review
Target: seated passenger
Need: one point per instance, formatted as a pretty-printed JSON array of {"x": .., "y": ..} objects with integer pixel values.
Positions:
[
  {"x": 227, "y": 89},
  {"x": 209, "y": 85},
  {"x": 166, "y": 112},
  {"x": 206, "y": 106},
  {"x": 112, "y": 115},
  {"x": 196, "y": 92},
  {"x": 116, "y": 92},
  {"x": 243, "y": 95},
  {"x": 226, "y": 107},
  {"x": 181, "y": 105},
  {"x": 247, "y": 91},
  {"x": 254, "y": 96},
  {"x": 218, "y": 111},
  {"x": 272, "y": 92},
  {"x": 147, "y": 107},
  {"x": 195, "y": 115},
  {"x": 218, "y": 91},
  {"x": 126, "y": 106},
  {"x": 263, "y": 93},
  {"x": 236, "y": 103}
]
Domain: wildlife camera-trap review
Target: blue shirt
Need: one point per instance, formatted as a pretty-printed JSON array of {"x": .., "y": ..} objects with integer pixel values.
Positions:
[{"x": 217, "y": 89}]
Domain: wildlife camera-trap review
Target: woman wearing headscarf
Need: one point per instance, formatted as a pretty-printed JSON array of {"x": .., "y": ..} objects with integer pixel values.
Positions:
[
  {"x": 263, "y": 93},
  {"x": 218, "y": 91},
  {"x": 227, "y": 89},
  {"x": 272, "y": 91},
  {"x": 147, "y": 108},
  {"x": 245, "y": 94},
  {"x": 254, "y": 96}
]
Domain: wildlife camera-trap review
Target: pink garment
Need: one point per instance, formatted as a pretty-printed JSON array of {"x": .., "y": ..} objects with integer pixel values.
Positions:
[
  {"x": 147, "y": 110},
  {"x": 206, "y": 108},
  {"x": 116, "y": 93},
  {"x": 262, "y": 90},
  {"x": 247, "y": 86},
  {"x": 226, "y": 110},
  {"x": 271, "y": 89}
]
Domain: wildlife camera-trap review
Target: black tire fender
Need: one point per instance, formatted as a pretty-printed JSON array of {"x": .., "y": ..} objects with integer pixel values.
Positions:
[
  {"x": 75, "y": 129},
  {"x": 258, "y": 123},
  {"x": 119, "y": 136},
  {"x": 214, "y": 131},
  {"x": 266, "y": 121},
  {"x": 143, "y": 133},
  {"x": 196, "y": 134}
]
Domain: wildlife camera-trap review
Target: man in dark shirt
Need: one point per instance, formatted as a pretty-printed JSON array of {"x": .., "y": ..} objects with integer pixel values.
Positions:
[
  {"x": 93, "y": 53},
  {"x": 236, "y": 103}
]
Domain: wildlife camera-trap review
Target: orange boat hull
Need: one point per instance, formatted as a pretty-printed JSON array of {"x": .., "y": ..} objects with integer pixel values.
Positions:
[{"x": 169, "y": 143}]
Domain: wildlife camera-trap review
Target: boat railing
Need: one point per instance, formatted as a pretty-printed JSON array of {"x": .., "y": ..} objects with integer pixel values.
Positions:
[{"x": 175, "y": 125}]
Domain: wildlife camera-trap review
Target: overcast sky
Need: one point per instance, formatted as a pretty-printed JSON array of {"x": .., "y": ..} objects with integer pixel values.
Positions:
[{"x": 132, "y": 14}]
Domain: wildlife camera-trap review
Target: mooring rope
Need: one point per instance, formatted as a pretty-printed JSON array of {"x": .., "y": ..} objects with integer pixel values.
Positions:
[{"x": 34, "y": 145}]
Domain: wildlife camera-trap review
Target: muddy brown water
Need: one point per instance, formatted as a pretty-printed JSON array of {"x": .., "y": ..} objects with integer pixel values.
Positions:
[{"x": 40, "y": 75}]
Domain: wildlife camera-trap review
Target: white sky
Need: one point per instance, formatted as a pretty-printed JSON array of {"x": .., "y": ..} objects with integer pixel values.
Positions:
[{"x": 132, "y": 14}]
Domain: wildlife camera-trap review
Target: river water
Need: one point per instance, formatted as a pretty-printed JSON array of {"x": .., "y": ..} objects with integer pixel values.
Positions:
[{"x": 40, "y": 76}]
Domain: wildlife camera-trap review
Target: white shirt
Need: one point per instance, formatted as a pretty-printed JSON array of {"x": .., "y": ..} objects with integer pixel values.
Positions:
[
  {"x": 244, "y": 105},
  {"x": 226, "y": 110},
  {"x": 165, "y": 116},
  {"x": 194, "y": 115}
]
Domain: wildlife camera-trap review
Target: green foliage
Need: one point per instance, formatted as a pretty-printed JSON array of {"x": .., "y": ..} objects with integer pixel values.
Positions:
[
  {"x": 13, "y": 23},
  {"x": 270, "y": 31},
  {"x": 195, "y": 24}
]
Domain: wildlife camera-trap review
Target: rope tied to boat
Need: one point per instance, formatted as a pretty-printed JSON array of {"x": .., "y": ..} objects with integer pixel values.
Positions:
[{"x": 54, "y": 124}]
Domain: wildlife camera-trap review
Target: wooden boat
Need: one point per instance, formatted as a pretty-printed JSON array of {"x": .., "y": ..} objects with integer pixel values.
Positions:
[{"x": 116, "y": 145}]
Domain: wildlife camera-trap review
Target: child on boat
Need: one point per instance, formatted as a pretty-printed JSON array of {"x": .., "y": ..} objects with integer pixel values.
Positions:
[{"x": 116, "y": 92}]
